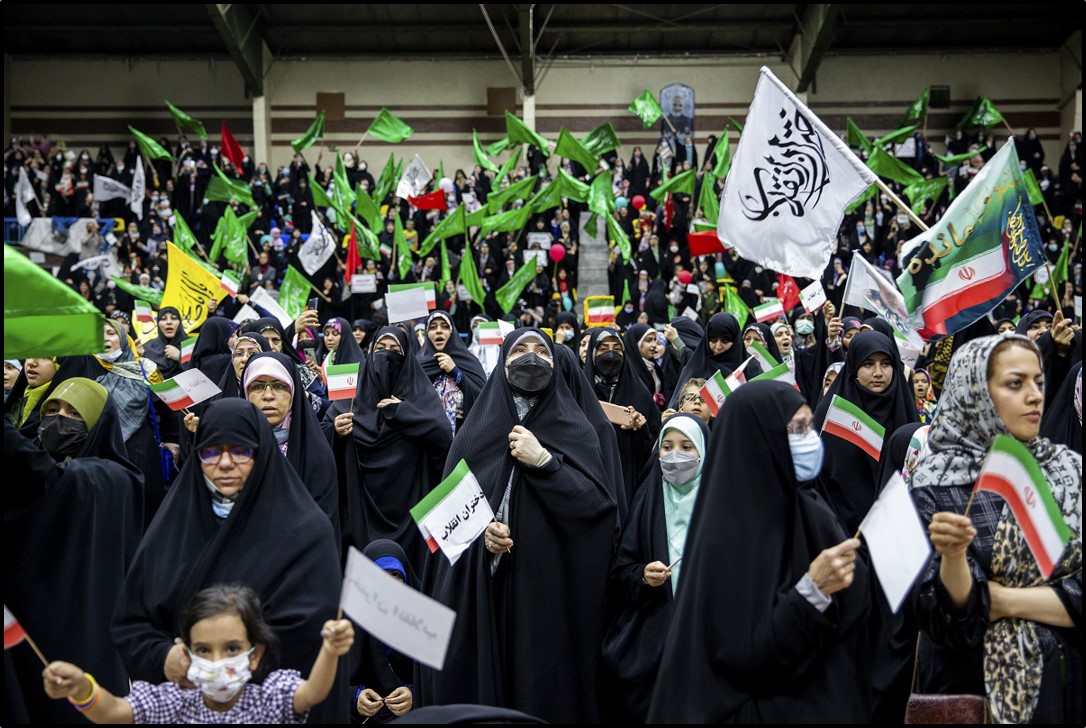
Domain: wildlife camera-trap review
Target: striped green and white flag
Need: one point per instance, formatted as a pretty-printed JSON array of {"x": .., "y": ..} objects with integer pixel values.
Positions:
[
  {"x": 143, "y": 312},
  {"x": 779, "y": 373},
  {"x": 716, "y": 390},
  {"x": 453, "y": 514},
  {"x": 766, "y": 360},
  {"x": 187, "y": 347},
  {"x": 1010, "y": 472},
  {"x": 186, "y": 389},
  {"x": 342, "y": 380},
  {"x": 849, "y": 422}
]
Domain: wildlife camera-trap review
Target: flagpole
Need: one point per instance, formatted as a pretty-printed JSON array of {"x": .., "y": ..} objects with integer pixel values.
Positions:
[
  {"x": 356, "y": 146},
  {"x": 1052, "y": 285},
  {"x": 897, "y": 201},
  {"x": 36, "y": 650}
]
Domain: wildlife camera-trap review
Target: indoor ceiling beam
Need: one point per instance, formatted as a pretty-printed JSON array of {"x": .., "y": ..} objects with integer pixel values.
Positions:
[
  {"x": 813, "y": 36},
  {"x": 237, "y": 26}
]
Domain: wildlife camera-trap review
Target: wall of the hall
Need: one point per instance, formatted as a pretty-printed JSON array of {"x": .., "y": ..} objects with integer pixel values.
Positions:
[{"x": 90, "y": 101}]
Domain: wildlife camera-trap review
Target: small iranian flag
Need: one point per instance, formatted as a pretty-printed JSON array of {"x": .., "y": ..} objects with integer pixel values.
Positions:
[
  {"x": 143, "y": 313},
  {"x": 428, "y": 288},
  {"x": 13, "y": 631},
  {"x": 342, "y": 380},
  {"x": 779, "y": 373},
  {"x": 719, "y": 387},
  {"x": 186, "y": 389},
  {"x": 1010, "y": 472},
  {"x": 771, "y": 309},
  {"x": 490, "y": 334},
  {"x": 453, "y": 514},
  {"x": 849, "y": 422},
  {"x": 187, "y": 347},
  {"x": 386, "y": 250},
  {"x": 599, "y": 310},
  {"x": 813, "y": 297},
  {"x": 229, "y": 283},
  {"x": 762, "y": 356}
]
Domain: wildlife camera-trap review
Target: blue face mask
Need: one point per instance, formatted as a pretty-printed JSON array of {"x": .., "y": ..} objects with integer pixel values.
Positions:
[{"x": 807, "y": 453}]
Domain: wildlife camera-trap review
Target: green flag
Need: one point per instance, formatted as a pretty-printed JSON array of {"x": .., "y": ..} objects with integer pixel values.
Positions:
[
  {"x": 153, "y": 296},
  {"x": 182, "y": 235},
  {"x": 562, "y": 186},
  {"x": 312, "y": 134},
  {"x": 735, "y": 305},
  {"x": 519, "y": 133},
  {"x": 446, "y": 269},
  {"x": 294, "y": 292},
  {"x": 496, "y": 148},
  {"x": 736, "y": 124},
  {"x": 320, "y": 197},
  {"x": 386, "y": 181},
  {"x": 469, "y": 276},
  {"x": 956, "y": 159},
  {"x": 986, "y": 115},
  {"x": 723, "y": 155},
  {"x": 708, "y": 200},
  {"x": 369, "y": 246},
  {"x": 1036, "y": 197},
  {"x": 341, "y": 189},
  {"x": 601, "y": 197},
  {"x": 403, "y": 250},
  {"x": 223, "y": 189},
  {"x": 885, "y": 165},
  {"x": 679, "y": 184},
  {"x": 231, "y": 236},
  {"x": 508, "y": 221},
  {"x": 186, "y": 122},
  {"x": 1060, "y": 271},
  {"x": 917, "y": 109},
  {"x": 645, "y": 108},
  {"x": 480, "y": 157},
  {"x": 859, "y": 201},
  {"x": 43, "y": 317},
  {"x": 570, "y": 148},
  {"x": 895, "y": 136},
  {"x": 506, "y": 169},
  {"x": 921, "y": 192},
  {"x": 507, "y": 295},
  {"x": 367, "y": 208},
  {"x": 475, "y": 219},
  {"x": 622, "y": 240},
  {"x": 521, "y": 190},
  {"x": 601, "y": 140},
  {"x": 452, "y": 225},
  {"x": 388, "y": 128},
  {"x": 856, "y": 137},
  {"x": 626, "y": 292},
  {"x": 592, "y": 227},
  {"x": 149, "y": 148}
]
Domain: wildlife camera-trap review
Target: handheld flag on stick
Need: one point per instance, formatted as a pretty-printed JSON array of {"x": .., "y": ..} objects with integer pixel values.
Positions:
[
  {"x": 646, "y": 108},
  {"x": 768, "y": 311},
  {"x": 453, "y": 514},
  {"x": 230, "y": 147},
  {"x": 185, "y": 122},
  {"x": 389, "y": 128},
  {"x": 186, "y": 389},
  {"x": 149, "y": 148},
  {"x": 342, "y": 380},
  {"x": 312, "y": 134},
  {"x": 599, "y": 311},
  {"x": 849, "y": 422}
]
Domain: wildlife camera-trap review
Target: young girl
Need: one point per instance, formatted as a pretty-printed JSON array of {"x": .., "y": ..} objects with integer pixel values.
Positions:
[
  {"x": 224, "y": 630},
  {"x": 925, "y": 401}
]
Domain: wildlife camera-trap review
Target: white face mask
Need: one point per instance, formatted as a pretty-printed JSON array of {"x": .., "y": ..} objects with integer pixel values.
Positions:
[
  {"x": 807, "y": 454},
  {"x": 220, "y": 680}
]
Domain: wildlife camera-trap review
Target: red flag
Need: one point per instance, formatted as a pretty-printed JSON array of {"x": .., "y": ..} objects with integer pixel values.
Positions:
[
  {"x": 354, "y": 260},
  {"x": 433, "y": 201},
  {"x": 706, "y": 243},
  {"x": 13, "y": 631},
  {"x": 787, "y": 291},
  {"x": 230, "y": 147}
]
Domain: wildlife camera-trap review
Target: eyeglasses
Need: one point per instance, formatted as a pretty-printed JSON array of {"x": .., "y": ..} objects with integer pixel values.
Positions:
[
  {"x": 261, "y": 387},
  {"x": 690, "y": 398},
  {"x": 800, "y": 428},
  {"x": 238, "y": 453}
]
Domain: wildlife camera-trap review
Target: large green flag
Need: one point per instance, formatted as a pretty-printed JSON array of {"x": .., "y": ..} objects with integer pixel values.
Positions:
[
  {"x": 986, "y": 114},
  {"x": 341, "y": 189},
  {"x": 507, "y": 295},
  {"x": 149, "y": 148},
  {"x": 496, "y": 148},
  {"x": 312, "y": 134},
  {"x": 475, "y": 219},
  {"x": 570, "y": 148},
  {"x": 723, "y": 155},
  {"x": 320, "y": 197},
  {"x": 917, "y": 109},
  {"x": 43, "y": 317},
  {"x": 452, "y": 225},
  {"x": 182, "y": 235},
  {"x": 386, "y": 181},
  {"x": 1036, "y": 196},
  {"x": 153, "y": 296},
  {"x": 469, "y": 276},
  {"x": 294, "y": 292},
  {"x": 735, "y": 305},
  {"x": 519, "y": 133},
  {"x": 480, "y": 157},
  {"x": 956, "y": 159},
  {"x": 446, "y": 269},
  {"x": 856, "y": 137},
  {"x": 521, "y": 190},
  {"x": 403, "y": 250},
  {"x": 231, "y": 236},
  {"x": 920, "y": 193},
  {"x": 895, "y": 136},
  {"x": 1060, "y": 271},
  {"x": 369, "y": 246},
  {"x": 389, "y": 128},
  {"x": 507, "y": 221},
  {"x": 893, "y": 168},
  {"x": 601, "y": 197},
  {"x": 859, "y": 201},
  {"x": 506, "y": 169},
  {"x": 622, "y": 240},
  {"x": 645, "y": 108},
  {"x": 679, "y": 184},
  {"x": 223, "y": 189},
  {"x": 368, "y": 210},
  {"x": 563, "y": 185},
  {"x": 601, "y": 140},
  {"x": 708, "y": 200},
  {"x": 186, "y": 122}
]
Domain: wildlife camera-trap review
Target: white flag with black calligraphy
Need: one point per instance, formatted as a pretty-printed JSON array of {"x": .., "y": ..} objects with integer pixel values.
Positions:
[
  {"x": 414, "y": 180},
  {"x": 139, "y": 189},
  {"x": 790, "y": 181},
  {"x": 106, "y": 188},
  {"x": 316, "y": 251}
]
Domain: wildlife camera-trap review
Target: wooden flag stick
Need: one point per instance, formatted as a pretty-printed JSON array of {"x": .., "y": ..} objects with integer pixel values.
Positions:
[
  {"x": 1052, "y": 285},
  {"x": 970, "y": 503},
  {"x": 37, "y": 651},
  {"x": 356, "y": 146},
  {"x": 901, "y": 205}
]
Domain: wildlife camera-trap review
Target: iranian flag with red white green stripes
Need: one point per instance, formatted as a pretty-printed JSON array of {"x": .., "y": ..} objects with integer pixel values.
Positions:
[
  {"x": 342, "y": 380},
  {"x": 765, "y": 360},
  {"x": 599, "y": 310},
  {"x": 490, "y": 334},
  {"x": 719, "y": 387},
  {"x": 849, "y": 422},
  {"x": 771, "y": 309},
  {"x": 187, "y": 347},
  {"x": 1010, "y": 472},
  {"x": 454, "y": 514},
  {"x": 779, "y": 373},
  {"x": 143, "y": 312},
  {"x": 186, "y": 389}
]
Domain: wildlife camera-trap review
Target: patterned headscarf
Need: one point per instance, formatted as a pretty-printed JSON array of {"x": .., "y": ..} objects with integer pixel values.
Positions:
[{"x": 964, "y": 427}]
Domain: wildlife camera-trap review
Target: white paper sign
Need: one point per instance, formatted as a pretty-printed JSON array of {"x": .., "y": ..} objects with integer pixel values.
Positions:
[
  {"x": 813, "y": 297},
  {"x": 690, "y": 314},
  {"x": 897, "y": 541},
  {"x": 37, "y": 257},
  {"x": 404, "y": 619},
  {"x": 247, "y": 313},
  {"x": 1078, "y": 307},
  {"x": 364, "y": 283},
  {"x": 406, "y": 305},
  {"x": 262, "y": 298},
  {"x": 539, "y": 255},
  {"x": 693, "y": 289},
  {"x": 544, "y": 240}
]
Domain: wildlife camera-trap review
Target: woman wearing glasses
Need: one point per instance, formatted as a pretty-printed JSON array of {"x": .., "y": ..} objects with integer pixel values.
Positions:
[{"x": 237, "y": 513}]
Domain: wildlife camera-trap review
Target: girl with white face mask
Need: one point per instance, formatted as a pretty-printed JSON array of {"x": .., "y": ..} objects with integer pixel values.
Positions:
[{"x": 227, "y": 637}]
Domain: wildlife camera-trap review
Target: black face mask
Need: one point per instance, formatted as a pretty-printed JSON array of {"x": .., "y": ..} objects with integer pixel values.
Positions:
[
  {"x": 387, "y": 365},
  {"x": 62, "y": 436},
  {"x": 529, "y": 374},
  {"x": 609, "y": 363}
]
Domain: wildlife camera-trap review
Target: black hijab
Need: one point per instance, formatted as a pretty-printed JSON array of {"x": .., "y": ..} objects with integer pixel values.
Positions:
[
  {"x": 656, "y": 303},
  {"x": 1061, "y": 423},
  {"x": 474, "y": 378},
  {"x": 570, "y": 318},
  {"x": 849, "y": 474},
  {"x": 348, "y": 351},
  {"x": 504, "y": 649},
  {"x": 275, "y": 541},
  {"x": 703, "y": 364},
  {"x": 211, "y": 355},
  {"x": 631, "y": 344},
  {"x": 155, "y": 349},
  {"x": 1031, "y": 318},
  {"x": 744, "y": 646}
]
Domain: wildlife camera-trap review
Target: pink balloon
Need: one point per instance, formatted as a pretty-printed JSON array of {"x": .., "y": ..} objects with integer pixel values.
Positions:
[{"x": 557, "y": 252}]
